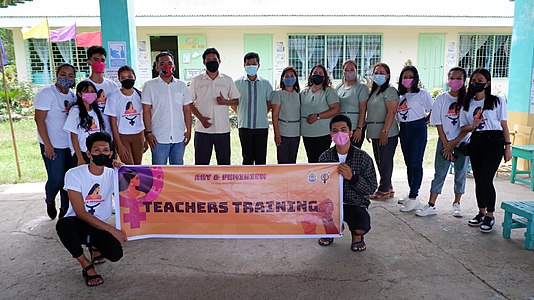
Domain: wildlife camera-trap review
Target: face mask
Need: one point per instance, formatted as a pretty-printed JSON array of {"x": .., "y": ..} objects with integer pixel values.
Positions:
[
  {"x": 101, "y": 159},
  {"x": 251, "y": 70},
  {"x": 407, "y": 83},
  {"x": 89, "y": 97},
  {"x": 379, "y": 79},
  {"x": 65, "y": 82},
  {"x": 128, "y": 83},
  {"x": 317, "y": 79},
  {"x": 456, "y": 84},
  {"x": 477, "y": 87},
  {"x": 98, "y": 67},
  {"x": 349, "y": 75},
  {"x": 165, "y": 71},
  {"x": 212, "y": 66},
  {"x": 340, "y": 138},
  {"x": 290, "y": 81}
]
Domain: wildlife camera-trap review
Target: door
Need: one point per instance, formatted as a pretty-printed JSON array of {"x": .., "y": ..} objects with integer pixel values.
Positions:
[
  {"x": 263, "y": 45},
  {"x": 431, "y": 59}
]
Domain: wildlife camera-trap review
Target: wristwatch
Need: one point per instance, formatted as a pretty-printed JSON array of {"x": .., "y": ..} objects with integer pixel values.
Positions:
[
  {"x": 318, "y": 117},
  {"x": 147, "y": 132},
  {"x": 360, "y": 128},
  {"x": 385, "y": 131}
]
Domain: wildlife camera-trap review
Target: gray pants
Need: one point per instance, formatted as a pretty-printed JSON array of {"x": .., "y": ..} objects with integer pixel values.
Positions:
[{"x": 384, "y": 161}]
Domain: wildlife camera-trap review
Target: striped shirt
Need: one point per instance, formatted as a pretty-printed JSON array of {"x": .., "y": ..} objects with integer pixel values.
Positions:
[{"x": 252, "y": 108}]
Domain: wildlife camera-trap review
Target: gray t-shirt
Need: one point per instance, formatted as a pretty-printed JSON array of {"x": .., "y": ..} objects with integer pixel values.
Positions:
[
  {"x": 289, "y": 115},
  {"x": 315, "y": 103},
  {"x": 377, "y": 111},
  {"x": 350, "y": 100}
]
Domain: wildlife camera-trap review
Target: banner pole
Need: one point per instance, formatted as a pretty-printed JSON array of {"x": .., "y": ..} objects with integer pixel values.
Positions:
[{"x": 51, "y": 52}]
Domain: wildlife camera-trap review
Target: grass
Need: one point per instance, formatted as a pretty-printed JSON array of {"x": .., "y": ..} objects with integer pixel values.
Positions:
[{"x": 33, "y": 170}]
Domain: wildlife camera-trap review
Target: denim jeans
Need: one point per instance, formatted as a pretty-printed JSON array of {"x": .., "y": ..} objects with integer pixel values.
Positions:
[
  {"x": 441, "y": 167},
  {"x": 173, "y": 153},
  {"x": 55, "y": 170},
  {"x": 413, "y": 137}
]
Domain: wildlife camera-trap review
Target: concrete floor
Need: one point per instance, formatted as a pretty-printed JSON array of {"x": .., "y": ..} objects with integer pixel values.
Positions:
[{"x": 408, "y": 257}]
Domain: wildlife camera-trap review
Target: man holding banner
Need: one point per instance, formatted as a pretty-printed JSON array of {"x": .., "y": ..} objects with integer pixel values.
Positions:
[{"x": 359, "y": 181}]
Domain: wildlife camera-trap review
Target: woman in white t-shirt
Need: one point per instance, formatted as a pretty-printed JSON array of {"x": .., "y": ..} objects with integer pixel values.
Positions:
[
  {"x": 485, "y": 115},
  {"x": 414, "y": 106},
  {"x": 125, "y": 113},
  {"x": 52, "y": 105},
  {"x": 84, "y": 118},
  {"x": 446, "y": 117}
]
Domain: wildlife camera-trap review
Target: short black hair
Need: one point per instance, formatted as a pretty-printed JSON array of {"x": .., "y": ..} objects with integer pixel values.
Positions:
[
  {"x": 97, "y": 137},
  {"x": 124, "y": 69},
  {"x": 252, "y": 55},
  {"x": 65, "y": 65},
  {"x": 341, "y": 118},
  {"x": 210, "y": 51},
  {"x": 164, "y": 53},
  {"x": 96, "y": 50}
]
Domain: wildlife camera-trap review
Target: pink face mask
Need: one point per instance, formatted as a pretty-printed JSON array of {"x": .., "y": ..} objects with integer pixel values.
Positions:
[
  {"x": 455, "y": 84},
  {"x": 89, "y": 97},
  {"x": 407, "y": 83},
  {"x": 98, "y": 67},
  {"x": 340, "y": 138},
  {"x": 349, "y": 75}
]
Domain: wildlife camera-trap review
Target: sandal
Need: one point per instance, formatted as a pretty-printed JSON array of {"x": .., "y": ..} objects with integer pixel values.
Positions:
[
  {"x": 358, "y": 246},
  {"x": 325, "y": 242},
  {"x": 97, "y": 260},
  {"x": 88, "y": 277},
  {"x": 378, "y": 195}
]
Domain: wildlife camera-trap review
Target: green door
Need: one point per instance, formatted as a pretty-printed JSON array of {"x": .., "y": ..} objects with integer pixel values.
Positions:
[
  {"x": 431, "y": 59},
  {"x": 263, "y": 45}
]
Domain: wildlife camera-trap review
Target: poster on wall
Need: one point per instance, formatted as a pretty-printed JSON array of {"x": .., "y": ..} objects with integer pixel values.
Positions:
[
  {"x": 532, "y": 92},
  {"x": 117, "y": 54},
  {"x": 143, "y": 63}
]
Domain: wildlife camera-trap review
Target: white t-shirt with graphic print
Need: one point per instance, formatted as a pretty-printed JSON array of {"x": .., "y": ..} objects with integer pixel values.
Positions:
[
  {"x": 445, "y": 114},
  {"x": 128, "y": 110},
  {"x": 103, "y": 90},
  {"x": 414, "y": 106},
  {"x": 97, "y": 191},
  {"x": 73, "y": 125},
  {"x": 490, "y": 119}
]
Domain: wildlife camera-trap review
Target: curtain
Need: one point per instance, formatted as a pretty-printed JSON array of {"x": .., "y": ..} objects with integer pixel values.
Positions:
[
  {"x": 371, "y": 48},
  {"x": 484, "y": 56},
  {"x": 334, "y": 49},
  {"x": 41, "y": 47},
  {"x": 298, "y": 44},
  {"x": 66, "y": 51}
]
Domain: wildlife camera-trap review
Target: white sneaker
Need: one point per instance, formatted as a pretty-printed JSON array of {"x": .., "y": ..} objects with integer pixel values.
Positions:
[
  {"x": 410, "y": 204},
  {"x": 402, "y": 200},
  {"x": 456, "y": 210},
  {"x": 427, "y": 210}
]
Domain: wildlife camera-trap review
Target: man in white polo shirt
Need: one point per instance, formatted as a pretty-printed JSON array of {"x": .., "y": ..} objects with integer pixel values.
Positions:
[
  {"x": 166, "y": 113},
  {"x": 212, "y": 93}
]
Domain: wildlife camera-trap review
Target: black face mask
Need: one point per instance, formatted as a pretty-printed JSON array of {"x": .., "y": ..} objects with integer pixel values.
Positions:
[
  {"x": 212, "y": 66},
  {"x": 101, "y": 159},
  {"x": 317, "y": 79},
  {"x": 477, "y": 87},
  {"x": 128, "y": 83}
]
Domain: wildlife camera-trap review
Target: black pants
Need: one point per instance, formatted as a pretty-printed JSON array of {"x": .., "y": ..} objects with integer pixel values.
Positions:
[
  {"x": 254, "y": 145},
  {"x": 384, "y": 160},
  {"x": 360, "y": 143},
  {"x": 286, "y": 153},
  {"x": 74, "y": 233},
  {"x": 357, "y": 218},
  {"x": 204, "y": 143},
  {"x": 486, "y": 150},
  {"x": 315, "y": 146}
]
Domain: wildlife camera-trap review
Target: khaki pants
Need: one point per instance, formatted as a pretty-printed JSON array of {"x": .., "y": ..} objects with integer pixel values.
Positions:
[{"x": 134, "y": 143}]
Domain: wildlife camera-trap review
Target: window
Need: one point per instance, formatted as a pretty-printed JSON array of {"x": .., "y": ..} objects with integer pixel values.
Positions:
[
  {"x": 63, "y": 52},
  {"x": 306, "y": 51},
  {"x": 491, "y": 52}
]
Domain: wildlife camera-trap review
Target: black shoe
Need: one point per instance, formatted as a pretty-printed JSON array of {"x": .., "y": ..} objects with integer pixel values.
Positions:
[
  {"x": 476, "y": 221},
  {"x": 62, "y": 212},
  {"x": 51, "y": 210},
  {"x": 487, "y": 225}
]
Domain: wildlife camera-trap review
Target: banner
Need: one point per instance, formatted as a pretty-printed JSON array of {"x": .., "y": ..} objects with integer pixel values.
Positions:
[
  {"x": 4, "y": 56},
  {"x": 275, "y": 201},
  {"x": 63, "y": 34},
  {"x": 88, "y": 39},
  {"x": 38, "y": 31}
]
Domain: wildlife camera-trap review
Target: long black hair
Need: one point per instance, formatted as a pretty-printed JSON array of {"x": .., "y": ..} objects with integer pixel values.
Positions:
[
  {"x": 126, "y": 178},
  {"x": 85, "y": 119},
  {"x": 296, "y": 86},
  {"x": 383, "y": 87},
  {"x": 490, "y": 101},
  {"x": 415, "y": 83},
  {"x": 326, "y": 83},
  {"x": 462, "y": 91}
]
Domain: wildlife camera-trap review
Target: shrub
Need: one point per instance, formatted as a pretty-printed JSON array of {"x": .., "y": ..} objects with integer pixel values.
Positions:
[{"x": 21, "y": 95}]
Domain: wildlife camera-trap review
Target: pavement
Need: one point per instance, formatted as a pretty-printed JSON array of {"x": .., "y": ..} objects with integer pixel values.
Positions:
[{"x": 407, "y": 257}]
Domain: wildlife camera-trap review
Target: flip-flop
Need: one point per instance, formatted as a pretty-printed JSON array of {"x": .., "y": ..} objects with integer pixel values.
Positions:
[
  {"x": 356, "y": 246},
  {"x": 327, "y": 242}
]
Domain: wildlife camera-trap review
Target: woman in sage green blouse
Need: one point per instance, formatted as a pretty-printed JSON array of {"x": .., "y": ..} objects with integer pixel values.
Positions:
[
  {"x": 382, "y": 127},
  {"x": 318, "y": 104}
]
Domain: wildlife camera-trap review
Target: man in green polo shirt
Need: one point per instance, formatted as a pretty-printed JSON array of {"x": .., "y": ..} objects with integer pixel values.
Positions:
[{"x": 254, "y": 104}]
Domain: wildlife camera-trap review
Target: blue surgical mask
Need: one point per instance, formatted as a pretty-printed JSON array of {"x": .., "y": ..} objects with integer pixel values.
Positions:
[
  {"x": 251, "y": 70},
  {"x": 379, "y": 79},
  {"x": 290, "y": 81}
]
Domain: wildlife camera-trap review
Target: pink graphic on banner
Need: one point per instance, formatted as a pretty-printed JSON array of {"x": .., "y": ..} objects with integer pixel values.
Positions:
[{"x": 138, "y": 185}]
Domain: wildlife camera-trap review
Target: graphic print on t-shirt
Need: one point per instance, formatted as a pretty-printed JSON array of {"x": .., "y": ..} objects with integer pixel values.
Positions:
[
  {"x": 101, "y": 99},
  {"x": 130, "y": 113},
  {"x": 93, "y": 198},
  {"x": 453, "y": 114},
  {"x": 93, "y": 126},
  {"x": 403, "y": 109},
  {"x": 66, "y": 106},
  {"x": 478, "y": 115}
]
